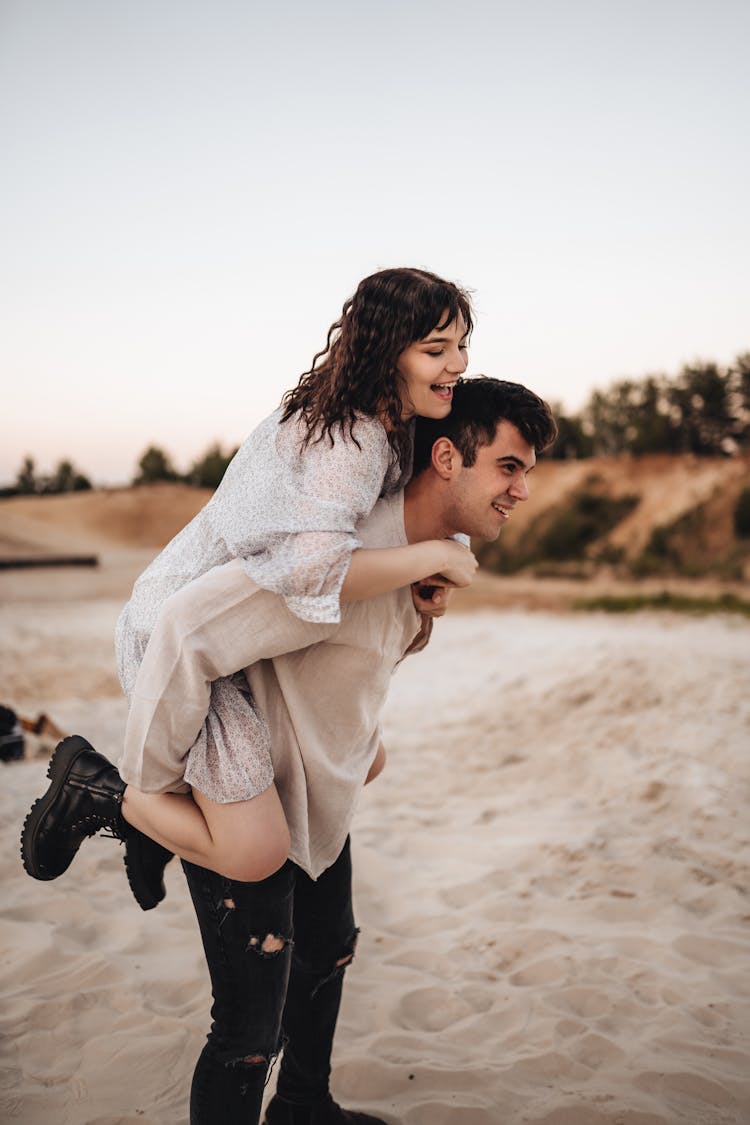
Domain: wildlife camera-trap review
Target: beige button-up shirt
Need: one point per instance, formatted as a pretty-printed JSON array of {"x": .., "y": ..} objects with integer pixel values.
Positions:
[{"x": 320, "y": 688}]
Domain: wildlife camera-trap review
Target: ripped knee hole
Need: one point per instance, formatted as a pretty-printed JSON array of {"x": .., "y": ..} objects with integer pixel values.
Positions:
[
  {"x": 271, "y": 943},
  {"x": 348, "y": 957}
]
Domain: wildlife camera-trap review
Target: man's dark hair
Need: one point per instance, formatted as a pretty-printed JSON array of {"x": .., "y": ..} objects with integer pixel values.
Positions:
[{"x": 479, "y": 405}]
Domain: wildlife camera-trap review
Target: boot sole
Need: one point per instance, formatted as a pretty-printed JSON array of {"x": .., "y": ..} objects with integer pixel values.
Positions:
[{"x": 61, "y": 763}]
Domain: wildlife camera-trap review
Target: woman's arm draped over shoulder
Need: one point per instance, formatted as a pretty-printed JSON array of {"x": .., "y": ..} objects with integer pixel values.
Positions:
[{"x": 377, "y": 570}]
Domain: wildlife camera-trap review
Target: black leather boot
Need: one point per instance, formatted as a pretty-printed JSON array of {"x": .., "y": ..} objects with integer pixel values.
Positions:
[
  {"x": 327, "y": 1112},
  {"x": 84, "y": 796}
]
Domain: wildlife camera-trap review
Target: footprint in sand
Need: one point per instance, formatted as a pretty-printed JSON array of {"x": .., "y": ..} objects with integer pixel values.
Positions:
[
  {"x": 595, "y": 1051},
  {"x": 545, "y": 1070},
  {"x": 585, "y": 1115},
  {"x": 683, "y": 1092},
  {"x": 434, "y": 1113},
  {"x": 551, "y": 970},
  {"x": 435, "y": 1009},
  {"x": 583, "y": 1002},
  {"x": 709, "y": 951},
  {"x": 709, "y": 1016}
]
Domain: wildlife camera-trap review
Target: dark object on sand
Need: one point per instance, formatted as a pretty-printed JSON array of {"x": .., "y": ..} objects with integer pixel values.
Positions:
[
  {"x": 48, "y": 560},
  {"x": 11, "y": 736}
]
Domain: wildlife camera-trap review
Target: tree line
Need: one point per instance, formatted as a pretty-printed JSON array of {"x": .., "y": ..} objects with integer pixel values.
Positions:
[
  {"x": 154, "y": 465},
  {"x": 65, "y": 478},
  {"x": 704, "y": 409}
]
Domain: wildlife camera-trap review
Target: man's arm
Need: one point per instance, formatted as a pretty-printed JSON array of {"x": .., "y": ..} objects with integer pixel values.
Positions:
[{"x": 213, "y": 627}]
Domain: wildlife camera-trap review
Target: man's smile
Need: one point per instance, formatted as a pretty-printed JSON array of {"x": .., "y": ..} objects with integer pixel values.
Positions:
[{"x": 503, "y": 510}]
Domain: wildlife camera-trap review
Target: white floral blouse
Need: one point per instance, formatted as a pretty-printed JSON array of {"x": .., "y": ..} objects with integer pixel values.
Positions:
[{"x": 290, "y": 513}]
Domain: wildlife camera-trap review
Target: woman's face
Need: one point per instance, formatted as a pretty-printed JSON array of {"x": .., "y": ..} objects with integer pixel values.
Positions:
[{"x": 429, "y": 369}]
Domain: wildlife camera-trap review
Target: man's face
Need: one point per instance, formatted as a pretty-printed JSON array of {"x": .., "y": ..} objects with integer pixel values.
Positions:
[{"x": 484, "y": 495}]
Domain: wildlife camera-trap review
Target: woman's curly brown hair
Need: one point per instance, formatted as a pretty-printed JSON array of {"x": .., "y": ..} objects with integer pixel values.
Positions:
[{"x": 356, "y": 370}]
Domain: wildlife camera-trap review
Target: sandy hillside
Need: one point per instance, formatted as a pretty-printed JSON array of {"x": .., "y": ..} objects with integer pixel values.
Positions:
[
  {"x": 667, "y": 486},
  {"x": 132, "y": 517},
  {"x": 630, "y": 516},
  {"x": 552, "y": 879},
  {"x": 125, "y": 527}
]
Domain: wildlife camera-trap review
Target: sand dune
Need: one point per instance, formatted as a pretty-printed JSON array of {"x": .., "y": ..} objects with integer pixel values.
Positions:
[{"x": 551, "y": 879}]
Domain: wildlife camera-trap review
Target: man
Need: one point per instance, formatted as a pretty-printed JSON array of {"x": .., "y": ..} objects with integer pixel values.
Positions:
[{"x": 277, "y": 949}]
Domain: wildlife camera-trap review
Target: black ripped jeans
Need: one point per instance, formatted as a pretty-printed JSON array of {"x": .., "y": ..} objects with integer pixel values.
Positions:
[{"x": 276, "y": 952}]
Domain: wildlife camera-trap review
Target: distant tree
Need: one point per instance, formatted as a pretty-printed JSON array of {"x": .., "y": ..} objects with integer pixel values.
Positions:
[
  {"x": 66, "y": 478},
  {"x": 739, "y": 374},
  {"x": 155, "y": 465},
  {"x": 208, "y": 470},
  {"x": 702, "y": 397},
  {"x": 572, "y": 441},
  {"x": 653, "y": 425},
  {"x": 704, "y": 410},
  {"x": 607, "y": 418},
  {"x": 26, "y": 480}
]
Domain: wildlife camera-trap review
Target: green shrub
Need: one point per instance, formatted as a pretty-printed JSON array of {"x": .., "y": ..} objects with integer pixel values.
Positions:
[
  {"x": 589, "y": 517},
  {"x": 560, "y": 537},
  {"x": 208, "y": 470}
]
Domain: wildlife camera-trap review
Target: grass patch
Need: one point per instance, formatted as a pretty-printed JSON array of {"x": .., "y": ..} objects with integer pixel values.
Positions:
[{"x": 679, "y": 603}]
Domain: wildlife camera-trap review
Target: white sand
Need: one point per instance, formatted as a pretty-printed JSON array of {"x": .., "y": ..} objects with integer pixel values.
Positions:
[{"x": 551, "y": 879}]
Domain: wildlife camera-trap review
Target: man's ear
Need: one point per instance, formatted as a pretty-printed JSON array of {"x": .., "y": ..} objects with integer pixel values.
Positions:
[{"x": 445, "y": 458}]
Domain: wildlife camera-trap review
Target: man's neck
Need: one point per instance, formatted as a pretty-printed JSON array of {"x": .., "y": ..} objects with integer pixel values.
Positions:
[{"x": 425, "y": 515}]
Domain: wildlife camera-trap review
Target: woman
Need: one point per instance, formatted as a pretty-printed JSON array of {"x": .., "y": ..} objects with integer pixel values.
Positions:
[{"x": 288, "y": 507}]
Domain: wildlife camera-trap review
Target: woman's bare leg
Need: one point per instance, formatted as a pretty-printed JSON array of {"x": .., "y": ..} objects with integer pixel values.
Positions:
[{"x": 242, "y": 840}]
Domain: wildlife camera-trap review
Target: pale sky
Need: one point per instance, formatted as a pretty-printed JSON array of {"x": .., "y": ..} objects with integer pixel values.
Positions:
[{"x": 191, "y": 190}]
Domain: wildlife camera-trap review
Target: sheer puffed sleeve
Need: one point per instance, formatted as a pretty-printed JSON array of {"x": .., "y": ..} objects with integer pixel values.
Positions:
[{"x": 290, "y": 511}]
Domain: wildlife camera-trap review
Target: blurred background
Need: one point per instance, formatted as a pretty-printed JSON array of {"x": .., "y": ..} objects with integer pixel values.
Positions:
[{"x": 191, "y": 191}]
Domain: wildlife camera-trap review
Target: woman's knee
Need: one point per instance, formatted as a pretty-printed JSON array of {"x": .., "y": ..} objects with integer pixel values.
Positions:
[
  {"x": 253, "y": 860},
  {"x": 250, "y": 839}
]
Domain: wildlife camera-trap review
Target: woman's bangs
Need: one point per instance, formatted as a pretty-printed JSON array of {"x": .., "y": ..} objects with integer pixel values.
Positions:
[{"x": 457, "y": 305}]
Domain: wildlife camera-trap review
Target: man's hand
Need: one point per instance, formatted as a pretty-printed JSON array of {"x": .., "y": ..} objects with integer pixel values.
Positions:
[{"x": 430, "y": 599}]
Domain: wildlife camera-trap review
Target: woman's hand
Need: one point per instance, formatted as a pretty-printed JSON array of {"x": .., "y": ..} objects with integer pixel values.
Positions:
[{"x": 457, "y": 565}]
